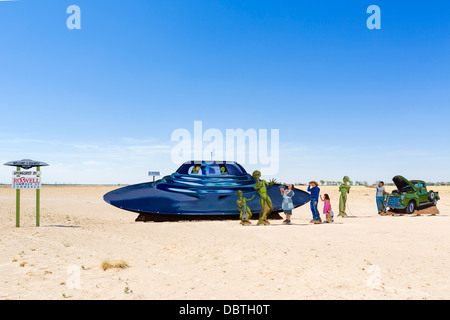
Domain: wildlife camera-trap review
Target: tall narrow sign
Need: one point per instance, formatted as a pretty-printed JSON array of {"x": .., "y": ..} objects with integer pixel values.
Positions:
[{"x": 27, "y": 180}]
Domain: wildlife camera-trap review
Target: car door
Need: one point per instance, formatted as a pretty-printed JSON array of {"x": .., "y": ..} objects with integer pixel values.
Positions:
[{"x": 422, "y": 192}]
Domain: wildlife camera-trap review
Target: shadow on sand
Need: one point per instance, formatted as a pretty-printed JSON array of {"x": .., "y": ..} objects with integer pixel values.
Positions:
[{"x": 155, "y": 217}]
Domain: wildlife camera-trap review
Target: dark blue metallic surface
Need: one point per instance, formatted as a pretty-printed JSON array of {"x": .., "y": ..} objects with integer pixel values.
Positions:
[{"x": 189, "y": 194}]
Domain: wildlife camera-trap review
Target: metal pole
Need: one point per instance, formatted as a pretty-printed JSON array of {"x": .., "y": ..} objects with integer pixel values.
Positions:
[
  {"x": 18, "y": 205},
  {"x": 38, "y": 202}
]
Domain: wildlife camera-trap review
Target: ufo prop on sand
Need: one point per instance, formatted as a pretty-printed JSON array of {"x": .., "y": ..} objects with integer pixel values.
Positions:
[{"x": 198, "y": 188}]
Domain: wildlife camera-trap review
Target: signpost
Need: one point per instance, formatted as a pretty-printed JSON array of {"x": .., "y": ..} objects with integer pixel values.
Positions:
[
  {"x": 154, "y": 174},
  {"x": 27, "y": 180}
]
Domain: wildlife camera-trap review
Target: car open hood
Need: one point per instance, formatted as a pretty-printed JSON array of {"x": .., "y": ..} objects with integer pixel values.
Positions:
[{"x": 401, "y": 182}]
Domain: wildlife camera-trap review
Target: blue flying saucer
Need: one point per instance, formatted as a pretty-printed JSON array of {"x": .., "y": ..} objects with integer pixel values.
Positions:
[{"x": 198, "y": 188}]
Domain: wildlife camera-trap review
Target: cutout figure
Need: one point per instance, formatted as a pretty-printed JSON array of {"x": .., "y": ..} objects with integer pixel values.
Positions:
[
  {"x": 261, "y": 188},
  {"x": 344, "y": 189},
  {"x": 245, "y": 212}
]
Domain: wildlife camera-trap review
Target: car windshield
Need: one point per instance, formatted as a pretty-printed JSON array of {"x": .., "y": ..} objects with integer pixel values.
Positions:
[
  {"x": 211, "y": 169},
  {"x": 418, "y": 184}
]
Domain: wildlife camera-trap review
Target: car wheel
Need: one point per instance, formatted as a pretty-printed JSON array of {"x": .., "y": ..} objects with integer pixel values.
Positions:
[
  {"x": 411, "y": 207},
  {"x": 431, "y": 195}
]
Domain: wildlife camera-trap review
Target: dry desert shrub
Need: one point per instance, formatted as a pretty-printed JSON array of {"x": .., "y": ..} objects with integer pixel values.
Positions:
[{"x": 114, "y": 264}]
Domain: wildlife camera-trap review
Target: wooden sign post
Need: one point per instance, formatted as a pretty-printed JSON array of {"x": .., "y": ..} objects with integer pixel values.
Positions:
[{"x": 27, "y": 180}]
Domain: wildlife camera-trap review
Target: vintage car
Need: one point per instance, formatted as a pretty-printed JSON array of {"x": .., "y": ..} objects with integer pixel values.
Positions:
[
  {"x": 198, "y": 188},
  {"x": 410, "y": 195}
]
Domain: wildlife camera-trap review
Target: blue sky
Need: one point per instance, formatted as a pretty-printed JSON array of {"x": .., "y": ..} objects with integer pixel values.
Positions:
[{"x": 99, "y": 104}]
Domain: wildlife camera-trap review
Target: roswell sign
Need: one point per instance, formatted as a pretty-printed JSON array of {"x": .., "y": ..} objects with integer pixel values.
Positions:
[{"x": 26, "y": 180}]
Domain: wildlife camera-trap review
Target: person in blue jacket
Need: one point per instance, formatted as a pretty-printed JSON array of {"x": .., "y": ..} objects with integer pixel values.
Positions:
[{"x": 315, "y": 191}]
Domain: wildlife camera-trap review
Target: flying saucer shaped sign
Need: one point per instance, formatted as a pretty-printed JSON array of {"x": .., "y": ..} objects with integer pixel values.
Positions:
[{"x": 26, "y": 163}]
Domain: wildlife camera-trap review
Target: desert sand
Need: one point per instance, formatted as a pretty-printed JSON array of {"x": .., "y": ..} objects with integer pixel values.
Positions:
[{"x": 364, "y": 256}]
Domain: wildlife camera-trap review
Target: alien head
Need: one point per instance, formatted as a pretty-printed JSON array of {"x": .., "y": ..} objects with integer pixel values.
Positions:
[{"x": 256, "y": 175}]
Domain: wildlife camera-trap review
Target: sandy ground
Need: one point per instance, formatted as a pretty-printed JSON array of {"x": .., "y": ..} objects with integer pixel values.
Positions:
[{"x": 361, "y": 257}]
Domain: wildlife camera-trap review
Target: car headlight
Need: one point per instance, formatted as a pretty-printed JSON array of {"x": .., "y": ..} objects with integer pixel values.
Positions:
[{"x": 402, "y": 197}]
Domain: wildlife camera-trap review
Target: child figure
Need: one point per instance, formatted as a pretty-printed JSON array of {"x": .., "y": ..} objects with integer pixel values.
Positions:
[
  {"x": 244, "y": 210},
  {"x": 327, "y": 208}
]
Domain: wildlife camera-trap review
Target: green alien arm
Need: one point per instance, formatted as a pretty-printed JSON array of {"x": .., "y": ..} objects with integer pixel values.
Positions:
[
  {"x": 272, "y": 182},
  {"x": 250, "y": 198}
]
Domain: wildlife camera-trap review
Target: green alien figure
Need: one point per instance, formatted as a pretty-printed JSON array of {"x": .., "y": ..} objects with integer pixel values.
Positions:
[
  {"x": 261, "y": 188},
  {"x": 245, "y": 212},
  {"x": 223, "y": 170},
  {"x": 344, "y": 189}
]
